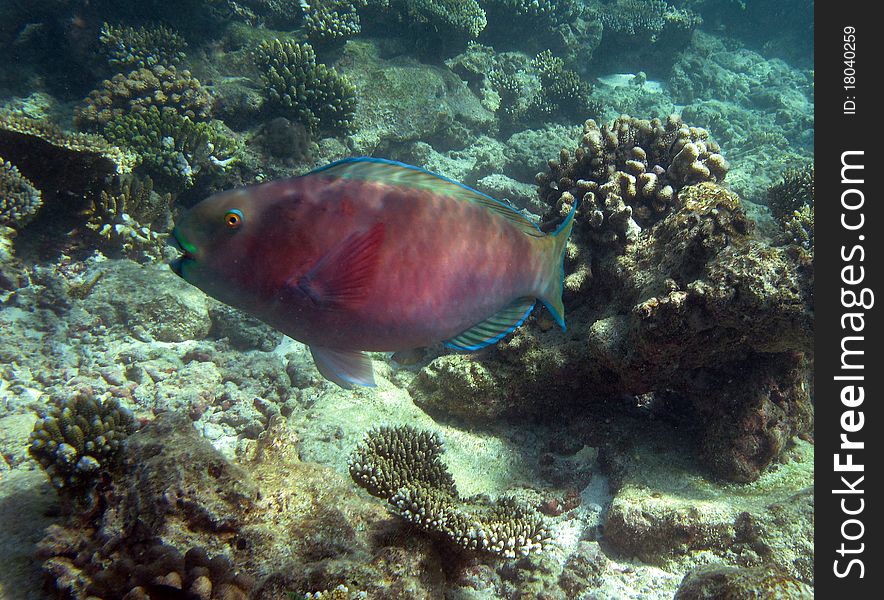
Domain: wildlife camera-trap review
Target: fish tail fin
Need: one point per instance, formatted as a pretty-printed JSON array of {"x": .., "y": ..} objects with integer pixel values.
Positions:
[{"x": 551, "y": 295}]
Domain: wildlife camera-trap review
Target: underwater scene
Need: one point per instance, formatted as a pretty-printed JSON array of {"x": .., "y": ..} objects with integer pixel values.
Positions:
[{"x": 406, "y": 299}]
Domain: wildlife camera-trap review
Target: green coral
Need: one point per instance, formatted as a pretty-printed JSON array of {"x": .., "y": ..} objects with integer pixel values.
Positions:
[
  {"x": 158, "y": 86},
  {"x": 404, "y": 466},
  {"x": 650, "y": 17},
  {"x": 309, "y": 92},
  {"x": 172, "y": 145},
  {"x": 79, "y": 437},
  {"x": 465, "y": 16},
  {"x": 331, "y": 20},
  {"x": 141, "y": 46},
  {"x": 19, "y": 199}
]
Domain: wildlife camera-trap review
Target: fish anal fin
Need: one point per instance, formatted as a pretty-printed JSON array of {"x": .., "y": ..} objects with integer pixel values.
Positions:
[
  {"x": 347, "y": 368},
  {"x": 341, "y": 278},
  {"x": 494, "y": 328}
]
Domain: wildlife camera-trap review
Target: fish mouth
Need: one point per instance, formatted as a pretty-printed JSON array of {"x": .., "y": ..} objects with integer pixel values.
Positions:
[{"x": 177, "y": 264}]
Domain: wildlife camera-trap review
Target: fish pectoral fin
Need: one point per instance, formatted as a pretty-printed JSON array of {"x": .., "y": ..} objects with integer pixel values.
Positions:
[
  {"x": 347, "y": 368},
  {"x": 495, "y": 328},
  {"x": 341, "y": 278}
]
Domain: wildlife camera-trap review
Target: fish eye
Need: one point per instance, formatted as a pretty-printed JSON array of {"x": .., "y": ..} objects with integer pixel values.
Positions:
[{"x": 233, "y": 218}]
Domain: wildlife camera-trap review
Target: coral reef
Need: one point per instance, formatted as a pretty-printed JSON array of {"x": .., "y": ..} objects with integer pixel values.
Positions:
[
  {"x": 160, "y": 86},
  {"x": 131, "y": 215},
  {"x": 627, "y": 174},
  {"x": 175, "y": 491},
  {"x": 791, "y": 203},
  {"x": 340, "y": 592},
  {"x": 562, "y": 91},
  {"x": 173, "y": 146},
  {"x": 645, "y": 17},
  {"x": 331, "y": 21},
  {"x": 459, "y": 16},
  {"x": 682, "y": 303},
  {"x": 141, "y": 47},
  {"x": 311, "y": 93},
  {"x": 404, "y": 466},
  {"x": 720, "y": 581},
  {"x": 78, "y": 438},
  {"x": 19, "y": 199}
]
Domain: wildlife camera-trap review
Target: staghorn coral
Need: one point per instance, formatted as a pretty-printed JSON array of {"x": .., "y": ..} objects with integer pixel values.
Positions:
[
  {"x": 79, "y": 437},
  {"x": 131, "y": 215},
  {"x": 173, "y": 146},
  {"x": 19, "y": 199},
  {"x": 312, "y": 94},
  {"x": 141, "y": 47},
  {"x": 158, "y": 86},
  {"x": 627, "y": 173},
  {"x": 404, "y": 466}
]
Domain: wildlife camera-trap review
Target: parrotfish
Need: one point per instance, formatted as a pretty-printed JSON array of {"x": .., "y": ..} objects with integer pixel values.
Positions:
[{"x": 367, "y": 254}]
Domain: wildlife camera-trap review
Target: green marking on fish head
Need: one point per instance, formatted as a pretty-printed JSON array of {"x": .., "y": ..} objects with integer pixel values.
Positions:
[{"x": 213, "y": 238}]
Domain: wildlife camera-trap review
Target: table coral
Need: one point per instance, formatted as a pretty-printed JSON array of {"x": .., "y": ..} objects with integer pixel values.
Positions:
[
  {"x": 403, "y": 466},
  {"x": 312, "y": 93}
]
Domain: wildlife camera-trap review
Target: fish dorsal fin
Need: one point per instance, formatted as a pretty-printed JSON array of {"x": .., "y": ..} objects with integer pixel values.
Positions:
[
  {"x": 390, "y": 172},
  {"x": 494, "y": 328}
]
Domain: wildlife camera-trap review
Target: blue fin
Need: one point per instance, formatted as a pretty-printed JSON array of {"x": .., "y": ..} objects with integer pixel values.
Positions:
[
  {"x": 495, "y": 328},
  {"x": 390, "y": 172},
  {"x": 552, "y": 295},
  {"x": 342, "y": 276},
  {"x": 347, "y": 368}
]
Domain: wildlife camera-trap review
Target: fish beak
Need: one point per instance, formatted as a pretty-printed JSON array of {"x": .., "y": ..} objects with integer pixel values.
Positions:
[{"x": 175, "y": 242}]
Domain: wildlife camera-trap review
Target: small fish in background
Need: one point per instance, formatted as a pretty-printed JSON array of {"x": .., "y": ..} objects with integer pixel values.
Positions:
[{"x": 367, "y": 254}]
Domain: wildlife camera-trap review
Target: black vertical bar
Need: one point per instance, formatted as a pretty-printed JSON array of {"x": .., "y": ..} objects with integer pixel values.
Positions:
[{"x": 848, "y": 265}]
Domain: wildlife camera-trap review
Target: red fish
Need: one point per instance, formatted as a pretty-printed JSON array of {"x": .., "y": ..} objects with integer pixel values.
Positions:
[{"x": 367, "y": 254}]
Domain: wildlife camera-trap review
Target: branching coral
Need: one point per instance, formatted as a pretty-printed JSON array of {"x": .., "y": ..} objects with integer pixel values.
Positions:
[
  {"x": 159, "y": 86},
  {"x": 635, "y": 17},
  {"x": 326, "y": 21},
  {"x": 78, "y": 438},
  {"x": 791, "y": 203},
  {"x": 404, "y": 466},
  {"x": 562, "y": 91},
  {"x": 310, "y": 92},
  {"x": 131, "y": 215},
  {"x": 627, "y": 173},
  {"x": 142, "y": 47},
  {"x": 19, "y": 199},
  {"x": 465, "y": 16},
  {"x": 171, "y": 145}
]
